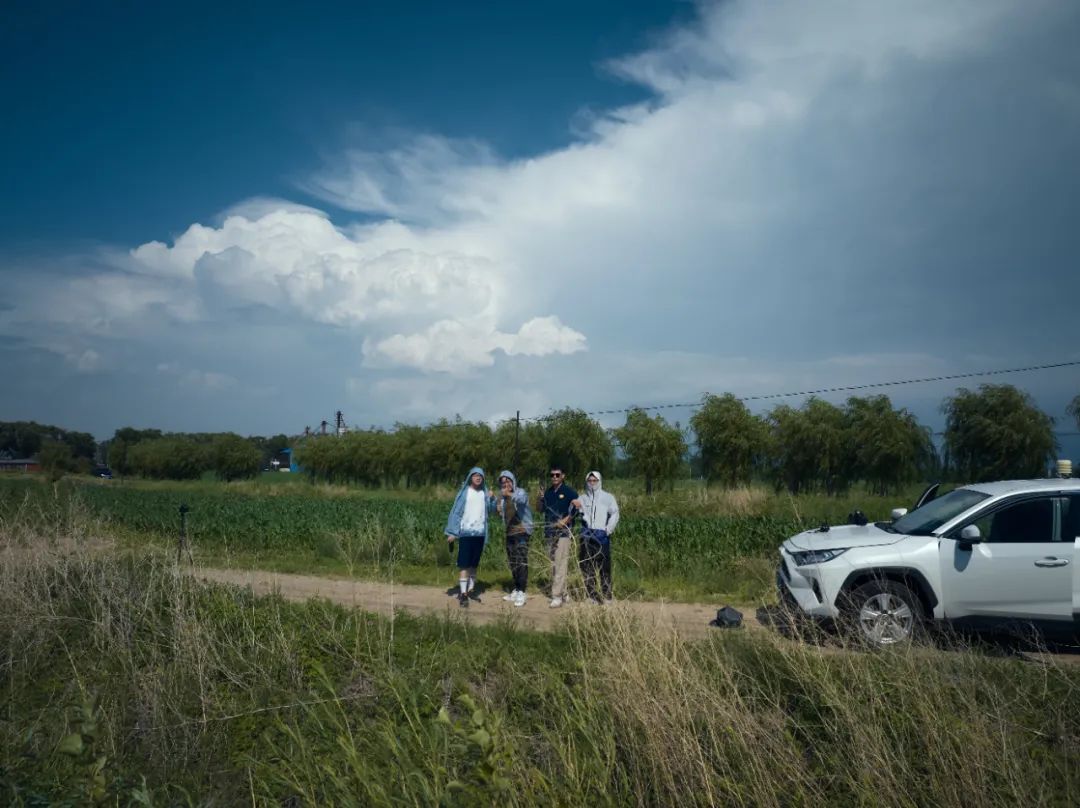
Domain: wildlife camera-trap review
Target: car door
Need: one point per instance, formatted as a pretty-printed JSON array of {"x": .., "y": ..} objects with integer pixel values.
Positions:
[
  {"x": 1070, "y": 535},
  {"x": 1021, "y": 570}
]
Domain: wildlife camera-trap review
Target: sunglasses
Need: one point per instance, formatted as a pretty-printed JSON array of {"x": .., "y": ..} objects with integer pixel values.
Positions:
[{"x": 556, "y": 474}]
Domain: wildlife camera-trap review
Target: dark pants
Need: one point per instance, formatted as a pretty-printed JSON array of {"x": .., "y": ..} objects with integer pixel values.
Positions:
[
  {"x": 595, "y": 559},
  {"x": 517, "y": 555},
  {"x": 468, "y": 551}
]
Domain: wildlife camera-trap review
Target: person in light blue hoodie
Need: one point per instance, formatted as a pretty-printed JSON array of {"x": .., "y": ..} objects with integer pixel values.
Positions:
[
  {"x": 468, "y": 526},
  {"x": 512, "y": 504}
]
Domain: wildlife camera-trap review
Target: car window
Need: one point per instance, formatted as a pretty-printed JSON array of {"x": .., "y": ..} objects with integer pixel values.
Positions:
[
  {"x": 1070, "y": 519},
  {"x": 937, "y": 512},
  {"x": 1029, "y": 521}
]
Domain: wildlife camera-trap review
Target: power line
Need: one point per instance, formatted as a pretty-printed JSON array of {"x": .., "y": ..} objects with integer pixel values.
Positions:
[
  {"x": 843, "y": 389},
  {"x": 772, "y": 396}
]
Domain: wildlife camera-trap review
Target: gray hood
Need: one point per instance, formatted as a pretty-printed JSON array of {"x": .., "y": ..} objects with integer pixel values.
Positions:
[{"x": 599, "y": 508}]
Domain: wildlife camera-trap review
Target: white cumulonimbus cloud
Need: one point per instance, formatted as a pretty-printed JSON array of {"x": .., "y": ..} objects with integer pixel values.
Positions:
[
  {"x": 420, "y": 300},
  {"x": 451, "y": 345}
]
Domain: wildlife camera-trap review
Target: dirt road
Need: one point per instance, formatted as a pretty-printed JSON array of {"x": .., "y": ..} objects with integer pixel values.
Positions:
[{"x": 687, "y": 619}]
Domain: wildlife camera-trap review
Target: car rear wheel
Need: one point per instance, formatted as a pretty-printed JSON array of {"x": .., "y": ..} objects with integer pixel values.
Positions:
[{"x": 883, "y": 613}]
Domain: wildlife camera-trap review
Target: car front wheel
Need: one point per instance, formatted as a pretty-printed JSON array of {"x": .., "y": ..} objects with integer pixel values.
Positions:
[{"x": 883, "y": 613}]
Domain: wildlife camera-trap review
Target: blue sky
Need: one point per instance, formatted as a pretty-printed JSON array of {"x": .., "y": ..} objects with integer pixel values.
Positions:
[
  {"x": 220, "y": 220},
  {"x": 136, "y": 119}
]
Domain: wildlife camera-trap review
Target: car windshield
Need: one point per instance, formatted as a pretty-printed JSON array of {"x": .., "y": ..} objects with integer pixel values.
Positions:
[{"x": 925, "y": 520}]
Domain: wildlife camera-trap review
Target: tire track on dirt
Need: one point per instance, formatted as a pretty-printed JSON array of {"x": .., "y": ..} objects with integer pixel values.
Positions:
[{"x": 685, "y": 619}]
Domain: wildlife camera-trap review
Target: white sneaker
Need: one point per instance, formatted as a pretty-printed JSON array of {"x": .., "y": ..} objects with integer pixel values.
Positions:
[
  {"x": 555, "y": 603},
  {"x": 512, "y": 596},
  {"x": 520, "y": 599}
]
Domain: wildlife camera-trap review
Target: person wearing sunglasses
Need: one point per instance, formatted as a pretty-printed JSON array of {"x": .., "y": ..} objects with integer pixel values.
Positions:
[{"x": 556, "y": 506}]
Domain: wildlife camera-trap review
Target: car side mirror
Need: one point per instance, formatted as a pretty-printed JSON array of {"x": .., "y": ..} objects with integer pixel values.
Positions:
[
  {"x": 969, "y": 535},
  {"x": 897, "y": 513}
]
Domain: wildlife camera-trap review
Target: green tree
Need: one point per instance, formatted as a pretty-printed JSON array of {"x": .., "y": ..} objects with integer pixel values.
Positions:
[
  {"x": 732, "y": 441},
  {"x": 25, "y": 439},
  {"x": 83, "y": 445},
  {"x": 810, "y": 447},
  {"x": 55, "y": 459},
  {"x": 22, "y": 439},
  {"x": 405, "y": 459},
  {"x": 533, "y": 455},
  {"x": 269, "y": 447},
  {"x": 577, "y": 443},
  {"x": 453, "y": 447},
  {"x": 169, "y": 458},
  {"x": 439, "y": 453},
  {"x": 654, "y": 448},
  {"x": 275, "y": 444},
  {"x": 116, "y": 455},
  {"x": 1074, "y": 410},
  {"x": 117, "y": 449},
  {"x": 996, "y": 433},
  {"x": 234, "y": 458},
  {"x": 889, "y": 447}
]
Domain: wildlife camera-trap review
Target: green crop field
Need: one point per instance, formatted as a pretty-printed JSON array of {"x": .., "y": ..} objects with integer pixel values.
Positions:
[{"x": 692, "y": 543}]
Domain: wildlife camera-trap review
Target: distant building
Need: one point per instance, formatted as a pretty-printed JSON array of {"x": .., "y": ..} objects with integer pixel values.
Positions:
[
  {"x": 283, "y": 461},
  {"x": 24, "y": 465}
]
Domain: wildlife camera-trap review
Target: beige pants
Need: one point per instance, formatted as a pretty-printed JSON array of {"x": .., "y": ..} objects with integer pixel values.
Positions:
[{"x": 559, "y": 552}]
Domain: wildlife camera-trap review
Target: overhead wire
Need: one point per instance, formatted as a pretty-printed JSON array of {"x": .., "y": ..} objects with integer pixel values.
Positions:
[
  {"x": 823, "y": 390},
  {"x": 794, "y": 394}
]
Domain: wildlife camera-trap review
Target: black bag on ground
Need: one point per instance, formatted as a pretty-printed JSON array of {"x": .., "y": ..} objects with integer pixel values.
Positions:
[{"x": 727, "y": 618}]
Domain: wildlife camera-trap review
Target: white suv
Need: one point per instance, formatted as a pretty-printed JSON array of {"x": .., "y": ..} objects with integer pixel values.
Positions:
[{"x": 989, "y": 555}]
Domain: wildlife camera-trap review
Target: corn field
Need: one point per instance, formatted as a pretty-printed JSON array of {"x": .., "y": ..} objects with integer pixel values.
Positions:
[{"x": 369, "y": 528}]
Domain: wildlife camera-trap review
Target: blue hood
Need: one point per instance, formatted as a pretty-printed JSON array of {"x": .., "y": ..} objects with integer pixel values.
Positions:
[
  {"x": 521, "y": 502},
  {"x": 472, "y": 471}
]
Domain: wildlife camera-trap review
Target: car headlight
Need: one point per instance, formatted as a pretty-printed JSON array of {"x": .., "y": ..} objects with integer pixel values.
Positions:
[{"x": 816, "y": 556}]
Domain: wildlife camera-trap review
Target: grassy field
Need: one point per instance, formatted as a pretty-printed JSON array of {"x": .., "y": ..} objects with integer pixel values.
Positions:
[
  {"x": 124, "y": 683},
  {"x": 693, "y": 543}
]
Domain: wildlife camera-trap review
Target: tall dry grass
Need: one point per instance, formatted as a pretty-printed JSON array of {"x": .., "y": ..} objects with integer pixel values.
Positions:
[
  {"x": 204, "y": 694},
  {"x": 761, "y": 720}
]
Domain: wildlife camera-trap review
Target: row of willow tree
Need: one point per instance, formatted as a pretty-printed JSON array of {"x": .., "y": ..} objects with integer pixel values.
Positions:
[{"x": 995, "y": 432}]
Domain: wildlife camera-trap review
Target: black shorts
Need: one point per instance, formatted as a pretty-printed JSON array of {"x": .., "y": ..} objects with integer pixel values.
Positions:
[{"x": 469, "y": 549}]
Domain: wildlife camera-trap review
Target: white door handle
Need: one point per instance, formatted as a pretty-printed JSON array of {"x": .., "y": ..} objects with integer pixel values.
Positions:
[{"x": 1052, "y": 562}]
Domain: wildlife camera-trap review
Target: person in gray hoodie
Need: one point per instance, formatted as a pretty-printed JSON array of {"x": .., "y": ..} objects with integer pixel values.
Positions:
[
  {"x": 600, "y": 514},
  {"x": 512, "y": 504}
]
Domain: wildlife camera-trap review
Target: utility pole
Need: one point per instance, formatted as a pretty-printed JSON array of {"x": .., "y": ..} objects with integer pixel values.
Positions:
[{"x": 517, "y": 441}]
